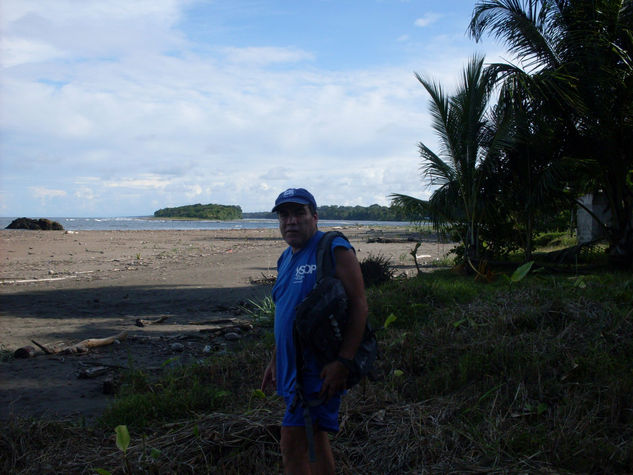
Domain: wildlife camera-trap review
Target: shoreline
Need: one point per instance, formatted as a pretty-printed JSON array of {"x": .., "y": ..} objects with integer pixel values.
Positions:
[{"x": 68, "y": 286}]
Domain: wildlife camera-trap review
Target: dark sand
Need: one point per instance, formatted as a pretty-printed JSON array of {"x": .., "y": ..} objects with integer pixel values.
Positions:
[{"x": 61, "y": 287}]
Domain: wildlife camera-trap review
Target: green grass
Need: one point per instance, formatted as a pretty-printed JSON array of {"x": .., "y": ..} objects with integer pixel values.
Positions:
[
  {"x": 176, "y": 394},
  {"x": 414, "y": 300},
  {"x": 262, "y": 313},
  {"x": 182, "y": 392},
  {"x": 5, "y": 354},
  {"x": 483, "y": 377},
  {"x": 540, "y": 370}
]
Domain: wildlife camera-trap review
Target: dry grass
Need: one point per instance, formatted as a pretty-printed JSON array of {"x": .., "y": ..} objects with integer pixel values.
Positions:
[
  {"x": 477, "y": 378},
  {"x": 375, "y": 437}
]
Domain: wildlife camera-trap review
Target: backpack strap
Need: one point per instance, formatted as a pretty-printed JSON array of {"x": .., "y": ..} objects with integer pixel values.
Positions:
[
  {"x": 324, "y": 254},
  {"x": 324, "y": 268}
]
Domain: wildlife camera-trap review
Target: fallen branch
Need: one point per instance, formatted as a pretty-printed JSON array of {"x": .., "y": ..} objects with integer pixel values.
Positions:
[
  {"x": 224, "y": 325},
  {"x": 43, "y": 348},
  {"x": 141, "y": 322},
  {"x": 83, "y": 346},
  {"x": 225, "y": 329},
  {"x": 44, "y": 279},
  {"x": 218, "y": 321}
]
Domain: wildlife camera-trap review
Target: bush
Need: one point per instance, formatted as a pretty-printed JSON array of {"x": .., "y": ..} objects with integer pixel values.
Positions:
[
  {"x": 376, "y": 270},
  {"x": 554, "y": 239},
  {"x": 542, "y": 367}
]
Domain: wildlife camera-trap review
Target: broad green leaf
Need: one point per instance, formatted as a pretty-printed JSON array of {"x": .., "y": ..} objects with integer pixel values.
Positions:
[
  {"x": 459, "y": 322},
  {"x": 398, "y": 372},
  {"x": 155, "y": 453},
  {"x": 102, "y": 471},
  {"x": 390, "y": 319},
  {"x": 122, "y": 438},
  {"x": 521, "y": 272},
  {"x": 580, "y": 282},
  {"x": 258, "y": 393}
]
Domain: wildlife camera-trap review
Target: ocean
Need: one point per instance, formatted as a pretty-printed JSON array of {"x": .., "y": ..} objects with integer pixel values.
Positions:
[{"x": 135, "y": 223}]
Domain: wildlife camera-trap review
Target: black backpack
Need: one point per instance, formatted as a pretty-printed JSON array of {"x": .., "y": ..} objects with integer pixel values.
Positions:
[{"x": 321, "y": 318}]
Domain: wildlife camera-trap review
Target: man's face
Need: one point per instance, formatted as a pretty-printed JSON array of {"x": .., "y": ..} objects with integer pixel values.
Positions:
[{"x": 297, "y": 224}]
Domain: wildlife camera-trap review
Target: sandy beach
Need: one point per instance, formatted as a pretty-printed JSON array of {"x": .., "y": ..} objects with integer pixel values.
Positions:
[{"x": 58, "y": 288}]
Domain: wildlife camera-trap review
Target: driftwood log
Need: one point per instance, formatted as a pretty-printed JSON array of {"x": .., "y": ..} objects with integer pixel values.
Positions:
[
  {"x": 83, "y": 346},
  {"x": 142, "y": 323},
  {"x": 224, "y": 325},
  {"x": 24, "y": 352}
]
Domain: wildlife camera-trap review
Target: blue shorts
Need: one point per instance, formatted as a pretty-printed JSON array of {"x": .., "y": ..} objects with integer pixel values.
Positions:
[{"x": 324, "y": 416}]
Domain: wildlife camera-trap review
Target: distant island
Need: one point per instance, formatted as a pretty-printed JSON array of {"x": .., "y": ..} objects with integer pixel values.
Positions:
[
  {"x": 200, "y": 211},
  {"x": 374, "y": 212}
]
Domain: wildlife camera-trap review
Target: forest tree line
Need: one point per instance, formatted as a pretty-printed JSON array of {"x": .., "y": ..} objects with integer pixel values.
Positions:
[
  {"x": 373, "y": 212},
  {"x": 200, "y": 211}
]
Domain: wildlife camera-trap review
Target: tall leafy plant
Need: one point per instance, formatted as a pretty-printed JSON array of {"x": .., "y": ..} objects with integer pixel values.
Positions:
[
  {"x": 469, "y": 145},
  {"x": 577, "y": 58}
]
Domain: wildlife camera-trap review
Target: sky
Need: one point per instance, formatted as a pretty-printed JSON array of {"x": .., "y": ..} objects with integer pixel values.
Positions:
[{"x": 122, "y": 107}]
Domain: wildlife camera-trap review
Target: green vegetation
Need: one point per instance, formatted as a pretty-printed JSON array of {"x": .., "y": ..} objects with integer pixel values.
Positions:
[
  {"x": 5, "y": 354},
  {"x": 522, "y": 141},
  {"x": 374, "y": 212},
  {"x": 199, "y": 211},
  {"x": 361, "y": 213},
  {"x": 532, "y": 377},
  {"x": 540, "y": 369},
  {"x": 531, "y": 373},
  {"x": 262, "y": 313},
  {"x": 376, "y": 270},
  {"x": 176, "y": 394}
]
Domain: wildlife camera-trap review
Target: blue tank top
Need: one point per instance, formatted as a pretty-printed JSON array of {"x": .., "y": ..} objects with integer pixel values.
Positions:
[{"x": 296, "y": 276}]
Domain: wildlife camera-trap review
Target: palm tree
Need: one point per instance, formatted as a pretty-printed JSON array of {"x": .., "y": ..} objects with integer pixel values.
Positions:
[
  {"x": 533, "y": 175},
  {"x": 577, "y": 57},
  {"x": 467, "y": 146}
]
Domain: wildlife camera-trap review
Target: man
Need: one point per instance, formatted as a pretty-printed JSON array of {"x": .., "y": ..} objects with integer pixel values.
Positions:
[{"x": 296, "y": 276}]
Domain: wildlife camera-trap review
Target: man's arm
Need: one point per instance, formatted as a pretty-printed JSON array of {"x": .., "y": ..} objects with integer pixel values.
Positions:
[
  {"x": 348, "y": 271},
  {"x": 270, "y": 374}
]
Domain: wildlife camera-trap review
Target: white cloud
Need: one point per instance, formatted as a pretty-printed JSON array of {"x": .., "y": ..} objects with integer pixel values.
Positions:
[
  {"x": 45, "y": 194},
  {"x": 427, "y": 19},
  {"x": 193, "y": 191},
  {"x": 108, "y": 106},
  {"x": 276, "y": 173},
  {"x": 87, "y": 29},
  {"x": 266, "y": 55},
  {"x": 141, "y": 182},
  {"x": 85, "y": 193}
]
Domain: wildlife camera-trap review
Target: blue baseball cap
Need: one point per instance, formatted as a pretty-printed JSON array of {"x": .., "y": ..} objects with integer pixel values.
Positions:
[{"x": 295, "y": 195}]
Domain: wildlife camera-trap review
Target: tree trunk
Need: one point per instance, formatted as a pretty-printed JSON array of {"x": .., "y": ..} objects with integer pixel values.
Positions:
[
  {"x": 528, "y": 243},
  {"x": 621, "y": 251}
]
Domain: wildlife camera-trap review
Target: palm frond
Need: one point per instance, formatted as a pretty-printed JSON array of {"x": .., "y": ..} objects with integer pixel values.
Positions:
[
  {"x": 521, "y": 24},
  {"x": 441, "y": 113},
  {"x": 415, "y": 209}
]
